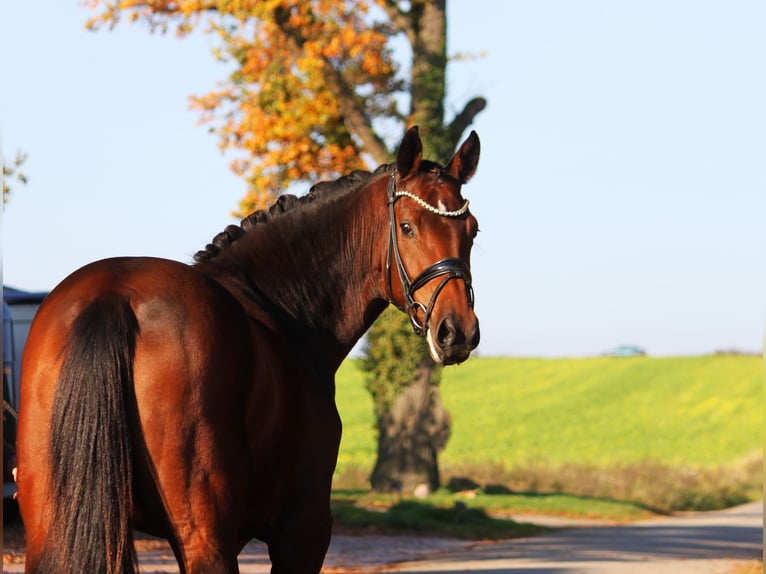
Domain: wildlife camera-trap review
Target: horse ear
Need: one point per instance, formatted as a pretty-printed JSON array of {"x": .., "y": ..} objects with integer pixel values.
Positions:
[
  {"x": 410, "y": 153},
  {"x": 463, "y": 164}
]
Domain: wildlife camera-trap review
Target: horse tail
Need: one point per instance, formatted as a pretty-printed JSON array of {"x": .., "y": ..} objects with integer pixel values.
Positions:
[{"x": 90, "y": 446}]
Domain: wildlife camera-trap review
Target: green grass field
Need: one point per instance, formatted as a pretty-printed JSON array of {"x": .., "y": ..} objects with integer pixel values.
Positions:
[
  {"x": 615, "y": 438},
  {"x": 680, "y": 413}
]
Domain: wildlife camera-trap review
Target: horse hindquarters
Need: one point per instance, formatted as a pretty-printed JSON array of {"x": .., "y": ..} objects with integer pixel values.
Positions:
[{"x": 90, "y": 447}]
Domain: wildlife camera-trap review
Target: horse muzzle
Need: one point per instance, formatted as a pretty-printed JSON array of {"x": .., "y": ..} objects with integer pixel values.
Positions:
[{"x": 451, "y": 343}]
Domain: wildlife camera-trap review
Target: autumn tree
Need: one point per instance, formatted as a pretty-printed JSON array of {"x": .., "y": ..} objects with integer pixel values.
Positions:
[{"x": 317, "y": 90}]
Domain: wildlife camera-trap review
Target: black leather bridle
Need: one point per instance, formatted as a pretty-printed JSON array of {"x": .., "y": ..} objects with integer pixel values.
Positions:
[{"x": 449, "y": 267}]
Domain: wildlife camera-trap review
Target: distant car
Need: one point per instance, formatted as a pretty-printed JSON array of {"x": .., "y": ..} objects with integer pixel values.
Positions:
[
  {"x": 19, "y": 308},
  {"x": 625, "y": 351}
]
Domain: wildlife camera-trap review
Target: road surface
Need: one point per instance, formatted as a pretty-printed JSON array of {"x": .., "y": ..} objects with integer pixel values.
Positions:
[{"x": 699, "y": 543}]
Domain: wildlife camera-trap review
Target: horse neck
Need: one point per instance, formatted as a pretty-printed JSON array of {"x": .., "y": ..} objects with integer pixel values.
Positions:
[{"x": 323, "y": 283}]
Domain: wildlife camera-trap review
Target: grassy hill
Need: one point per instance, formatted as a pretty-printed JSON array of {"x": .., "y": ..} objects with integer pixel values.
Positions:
[
  {"x": 512, "y": 415},
  {"x": 691, "y": 410}
]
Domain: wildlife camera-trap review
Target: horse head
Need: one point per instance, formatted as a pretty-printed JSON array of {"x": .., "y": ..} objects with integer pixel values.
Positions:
[{"x": 431, "y": 235}]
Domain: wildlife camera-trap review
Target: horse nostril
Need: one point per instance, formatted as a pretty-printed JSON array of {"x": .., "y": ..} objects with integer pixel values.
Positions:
[{"x": 448, "y": 334}]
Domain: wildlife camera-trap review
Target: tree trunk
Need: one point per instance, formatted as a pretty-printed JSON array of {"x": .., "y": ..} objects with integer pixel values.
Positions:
[
  {"x": 413, "y": 426},
  {"x": 411, "y": 434},
  {"x": 429, "y": 76}
]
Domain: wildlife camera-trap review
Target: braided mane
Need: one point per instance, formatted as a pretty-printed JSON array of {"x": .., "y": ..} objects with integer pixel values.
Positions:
[{"x": 284, "y": 203}]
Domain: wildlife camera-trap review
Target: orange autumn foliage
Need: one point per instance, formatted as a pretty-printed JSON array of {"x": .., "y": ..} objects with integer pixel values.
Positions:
[{"x": 300, "y": 66}]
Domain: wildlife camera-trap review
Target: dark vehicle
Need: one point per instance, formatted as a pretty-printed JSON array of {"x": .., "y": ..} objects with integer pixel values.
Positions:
[{"x": 19, "y": 307}]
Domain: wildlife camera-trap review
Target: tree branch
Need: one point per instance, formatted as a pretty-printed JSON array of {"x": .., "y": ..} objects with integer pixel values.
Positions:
[
  {"x": 354, "y": 117},
  {"x": 464, "y": 119},
  {"x": 399, "y": 19}
]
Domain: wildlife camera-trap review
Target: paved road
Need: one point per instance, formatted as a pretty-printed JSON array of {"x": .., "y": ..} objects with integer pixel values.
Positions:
[{"x": 702, "y": 543}]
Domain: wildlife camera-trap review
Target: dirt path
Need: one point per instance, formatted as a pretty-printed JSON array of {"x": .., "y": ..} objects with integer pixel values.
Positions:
[{"x": 700, "y": 543}]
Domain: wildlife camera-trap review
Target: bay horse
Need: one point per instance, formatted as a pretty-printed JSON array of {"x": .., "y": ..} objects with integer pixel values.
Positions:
[{"x": 196, "y": 402}]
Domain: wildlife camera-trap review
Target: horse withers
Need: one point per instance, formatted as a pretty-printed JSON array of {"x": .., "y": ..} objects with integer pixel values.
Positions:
[{"x": 196, "y": 402}]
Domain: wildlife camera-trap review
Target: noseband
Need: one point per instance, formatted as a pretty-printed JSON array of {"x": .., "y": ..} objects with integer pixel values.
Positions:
[{"x": 449, "y": 268}]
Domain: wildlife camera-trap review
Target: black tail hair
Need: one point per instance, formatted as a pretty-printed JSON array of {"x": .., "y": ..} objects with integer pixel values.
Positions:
[{"x": 90, "y": 446}]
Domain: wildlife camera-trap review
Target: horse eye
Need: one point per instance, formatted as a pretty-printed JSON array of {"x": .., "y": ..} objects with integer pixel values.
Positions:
[{"x": 407, "y": 229}]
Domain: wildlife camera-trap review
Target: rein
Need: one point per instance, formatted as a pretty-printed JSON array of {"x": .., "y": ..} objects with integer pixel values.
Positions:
[{"x": 449, "y": 267}]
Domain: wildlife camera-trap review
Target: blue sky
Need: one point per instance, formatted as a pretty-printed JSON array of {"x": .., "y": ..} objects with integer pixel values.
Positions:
[{"x": 621, "y": 192}]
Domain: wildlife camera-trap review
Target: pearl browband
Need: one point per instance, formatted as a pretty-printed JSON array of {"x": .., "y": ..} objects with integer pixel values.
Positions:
[{"x": 425, "y": 205}]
